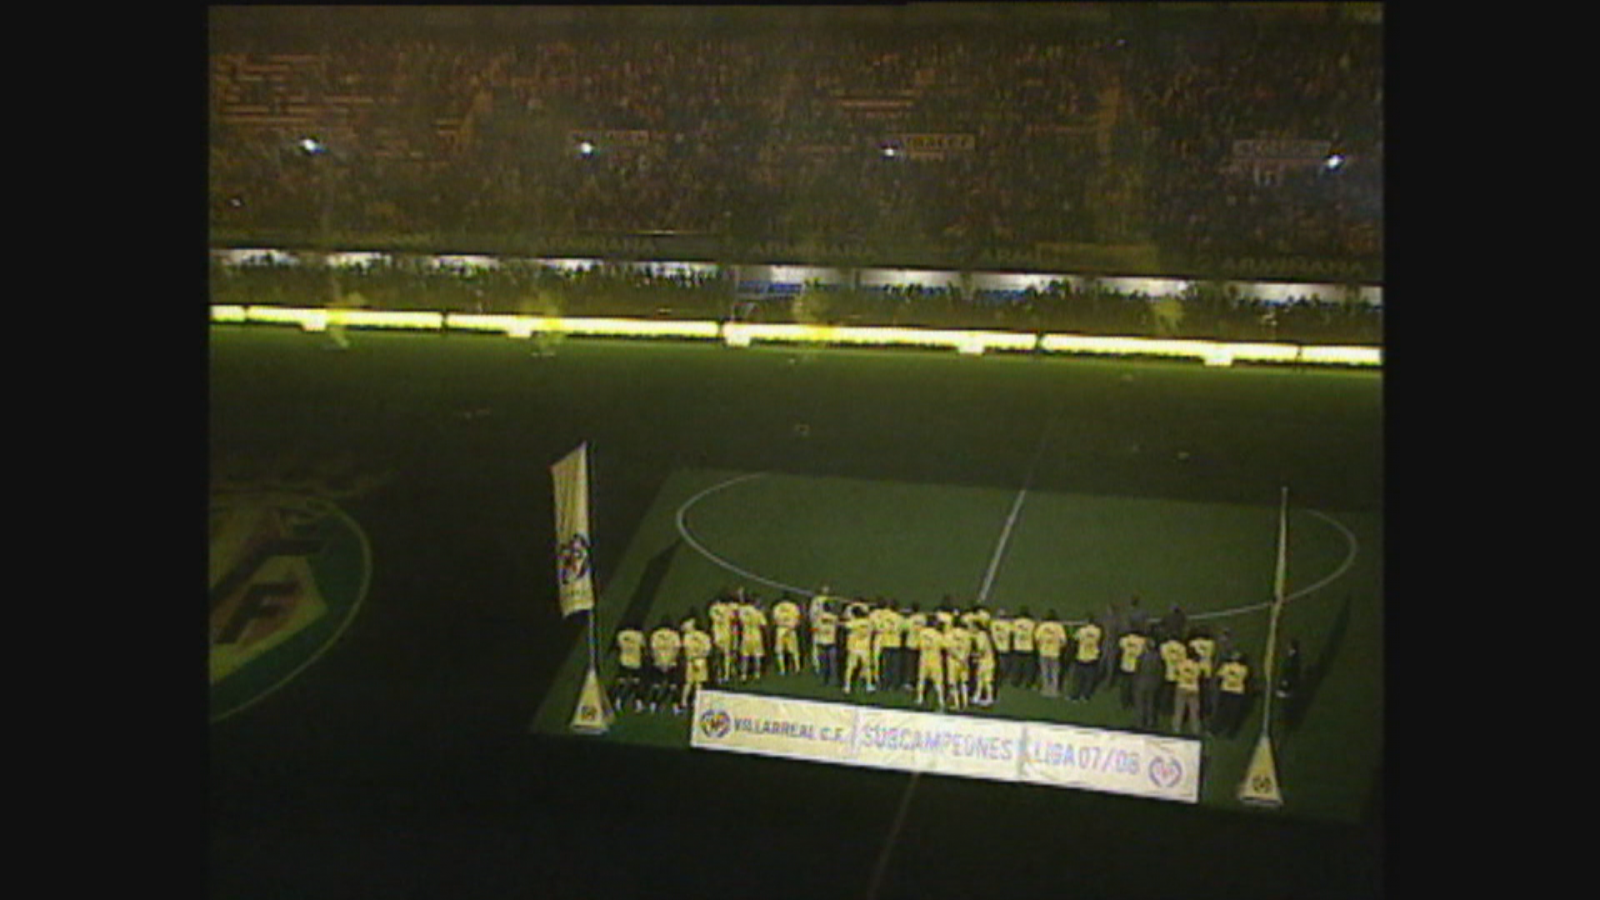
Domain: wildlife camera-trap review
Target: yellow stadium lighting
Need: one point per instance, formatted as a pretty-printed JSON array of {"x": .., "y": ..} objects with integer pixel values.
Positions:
[
  {"x": 1343, "y": 356},
  {"x": 309, "y": 319},
  {"x": 1269, "y": 353},
  {"x": 743, "y": 334},
  {"x": 370, "y": 318},
  {"x": 482, "y": 322},
  {"x": 527, "y": 326},
  {"x": 1117, "y": 346},
  {"x": 639, "y": 328}
]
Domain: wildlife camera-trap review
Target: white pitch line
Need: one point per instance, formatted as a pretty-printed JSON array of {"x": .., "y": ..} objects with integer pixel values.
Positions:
[
  {"x": 1351, "y": 544},
  {"x": 1352, "y": 548},
  {"x": 683, "y": 531},
  {"x": 1000, "y": 547},
  {"x": 881, "y": 867},
  {"x": 1011, "y": 519}
]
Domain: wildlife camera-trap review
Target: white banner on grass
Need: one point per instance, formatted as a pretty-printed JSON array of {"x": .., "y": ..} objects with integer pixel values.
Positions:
[
  {"x": 970, "y": 746},
  {"x": 773, "y": 726},
  {"x": 934, "y": 743},
  {"x": 1118, "y": 762}
]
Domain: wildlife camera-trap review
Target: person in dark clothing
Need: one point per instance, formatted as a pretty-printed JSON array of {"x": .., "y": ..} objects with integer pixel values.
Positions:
[
  {"x": 1137, "y": 619},
  {"x": 1176, "y": 622},
  {"x": 1147, "y": 681},
  {"x": 1286, "y": 689}
]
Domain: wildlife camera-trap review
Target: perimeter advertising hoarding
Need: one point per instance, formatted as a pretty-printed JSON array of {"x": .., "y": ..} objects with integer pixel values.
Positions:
[{"x": 971, "y": 746}]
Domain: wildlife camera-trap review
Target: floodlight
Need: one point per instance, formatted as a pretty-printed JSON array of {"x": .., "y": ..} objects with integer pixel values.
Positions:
[
  {"x": 586, "y": 148},
  {"x": 312, "y": 146},
  {"x": 1334, "y": 161}
]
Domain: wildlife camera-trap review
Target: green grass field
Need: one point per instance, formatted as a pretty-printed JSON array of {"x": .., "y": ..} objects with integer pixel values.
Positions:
[
  {"x": 402, "y": 761},
  {"x": 1067, "y": 553}
]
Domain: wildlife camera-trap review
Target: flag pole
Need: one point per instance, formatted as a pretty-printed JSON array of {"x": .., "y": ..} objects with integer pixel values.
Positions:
[
  {"x": 1279, "y": 581},
  {"x": 1260, "y": 784},
  {"x": 575, "y": 573},
  {"x": 594, "y": 625},
  {"x": 594, "y": 643}
]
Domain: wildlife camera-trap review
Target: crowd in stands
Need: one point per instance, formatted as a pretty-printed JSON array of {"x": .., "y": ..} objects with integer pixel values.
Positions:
[
  {"x": 1079, "y": 136},
  {"x": 531, "y": 288},
  {"x": 1201, "y": 94}
]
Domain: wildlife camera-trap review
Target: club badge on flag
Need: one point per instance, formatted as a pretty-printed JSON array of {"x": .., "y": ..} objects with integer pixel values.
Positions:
[
  {"x": 571, "y": 476},
  {"x": 593, "y": 713},
  {"x": 1260, "y": 785}
]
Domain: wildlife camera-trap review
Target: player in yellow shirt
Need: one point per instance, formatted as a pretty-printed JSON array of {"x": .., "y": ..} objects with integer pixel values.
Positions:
[
  {"x": 981, "y": 617},
  {"x": 930, "y": 660},
  {"x": 1130, "y": 647},
  {"x": 1026, "y": 672},
  {"x": 1049, "y": 636},
  {"x": 957, "y": 664},
  {"x": 886, "y": 645},
  {"x": 1232, "y": 681},
  {"x": 908, "y": 649},
  {"x": 1186, "y": 710},
  {"x": 1000, "y": 632},
  {"x": 1086, "y": 661},
  {"x": 696, "y": 662},
  {"x": 752, "y": 639},
  {"x": 690, "y": 622},
  {"x": 629, "y": 686},
  {"x": 819, "y": 602},
  {"x": 1172, "y": 652},
  {"x": 984, "y": 665},
  {"x": 786, "y": 635},
  {"x": 858, "y": 633},
  {"x": 973, "y": 620},
  {"x": 665, "y": 644},
  {"x": 722, "y": 615},
  {"x": 1204, "y": 648},
  {"x": 915, "y": 619}
]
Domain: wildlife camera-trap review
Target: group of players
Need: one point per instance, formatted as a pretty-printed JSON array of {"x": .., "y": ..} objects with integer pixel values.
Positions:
[{"x": 954, "y": 658}]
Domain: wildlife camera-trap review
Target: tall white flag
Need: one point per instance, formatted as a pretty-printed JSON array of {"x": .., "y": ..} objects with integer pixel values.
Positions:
[{"x": 571, "y": 477}]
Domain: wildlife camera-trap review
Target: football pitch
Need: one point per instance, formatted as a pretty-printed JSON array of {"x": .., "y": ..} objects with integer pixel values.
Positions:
[
  {"x": 423, "y": 749},
  {"x": 1064, "y": 554}
]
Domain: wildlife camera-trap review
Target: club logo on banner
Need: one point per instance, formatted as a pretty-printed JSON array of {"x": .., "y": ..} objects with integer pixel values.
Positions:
[
  {"x": 716, "y": 723},
  {"x": 573, "y": 559},
  {"x": 1165, "y": 771},
  {"x": 969, "y": 746}
]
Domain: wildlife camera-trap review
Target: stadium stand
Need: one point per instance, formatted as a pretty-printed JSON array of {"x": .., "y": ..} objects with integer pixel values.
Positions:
[{"x": 1230, "y": 144}]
